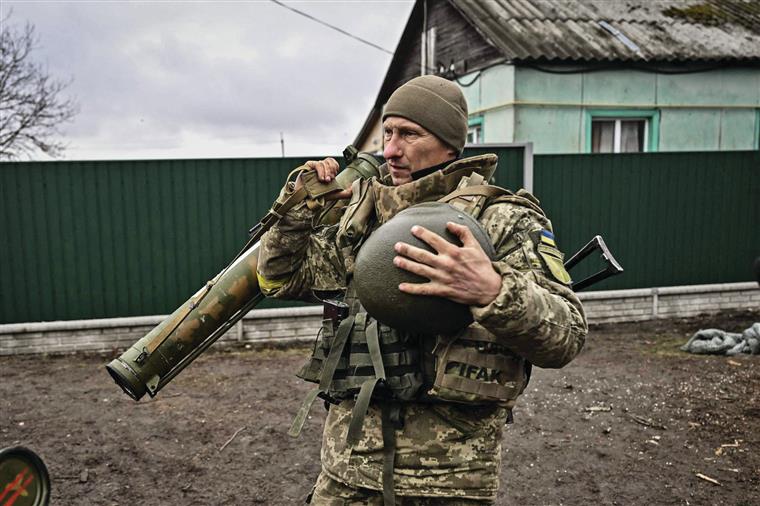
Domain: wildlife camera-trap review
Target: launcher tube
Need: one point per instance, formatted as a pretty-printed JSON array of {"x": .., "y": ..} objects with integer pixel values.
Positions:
[{"x": 159, "y": 356}]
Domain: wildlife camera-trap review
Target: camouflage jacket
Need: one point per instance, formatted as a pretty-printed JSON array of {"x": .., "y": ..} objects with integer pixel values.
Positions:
[{"x": 443, "y": 449}]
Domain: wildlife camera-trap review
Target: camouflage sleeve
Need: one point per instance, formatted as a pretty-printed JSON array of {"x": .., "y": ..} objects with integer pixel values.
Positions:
[
  {"x": 296, "y": 259},
  {"x": 538, "y": 316}
]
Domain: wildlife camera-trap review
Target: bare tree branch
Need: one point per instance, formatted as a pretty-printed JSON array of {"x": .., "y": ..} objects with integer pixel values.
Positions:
[{"x": 32, "y": 105}]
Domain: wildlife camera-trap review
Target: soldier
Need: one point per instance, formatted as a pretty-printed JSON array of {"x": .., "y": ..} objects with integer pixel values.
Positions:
[{"x": 426, "y": 428}]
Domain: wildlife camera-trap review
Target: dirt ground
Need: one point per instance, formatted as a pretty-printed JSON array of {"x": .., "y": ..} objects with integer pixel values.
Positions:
[{"x": 631, "y": 421}]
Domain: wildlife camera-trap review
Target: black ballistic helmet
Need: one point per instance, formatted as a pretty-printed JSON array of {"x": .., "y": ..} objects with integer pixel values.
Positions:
[{"x": 376, "y": 278}]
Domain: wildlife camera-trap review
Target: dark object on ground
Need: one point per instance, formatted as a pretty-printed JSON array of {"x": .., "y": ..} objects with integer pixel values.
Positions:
[{"x": 719, "y": 342}]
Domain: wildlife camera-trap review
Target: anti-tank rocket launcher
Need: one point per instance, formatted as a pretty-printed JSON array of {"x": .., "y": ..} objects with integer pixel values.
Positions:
[{"x": 153, "y": 361}]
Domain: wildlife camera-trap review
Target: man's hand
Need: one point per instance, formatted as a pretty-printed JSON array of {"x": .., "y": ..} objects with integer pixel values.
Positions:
[
  {"x": 462, "y": 274},
  {"x": 326, "y": 170}
]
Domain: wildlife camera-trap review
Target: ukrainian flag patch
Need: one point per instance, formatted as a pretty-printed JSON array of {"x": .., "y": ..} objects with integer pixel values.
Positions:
[
  {"x": 547, "y": 238},
  {"x": 552, "y": 257}
]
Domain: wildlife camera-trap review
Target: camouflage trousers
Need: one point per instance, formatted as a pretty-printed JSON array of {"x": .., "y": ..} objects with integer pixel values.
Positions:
[{"x": 329, "y": 492}]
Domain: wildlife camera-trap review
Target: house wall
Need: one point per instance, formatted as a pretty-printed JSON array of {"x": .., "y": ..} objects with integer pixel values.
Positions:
[
  {"x": 457, "y": 45},
  {"x": 494, "y": 88},
  {"x": 715, "y": 110},
  {"x": 458, "y": 48},
  {"x": 373, "y": 141}
]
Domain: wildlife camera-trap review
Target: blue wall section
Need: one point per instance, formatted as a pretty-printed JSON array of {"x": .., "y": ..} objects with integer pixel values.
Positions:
[{"x": 711, "y": 110}]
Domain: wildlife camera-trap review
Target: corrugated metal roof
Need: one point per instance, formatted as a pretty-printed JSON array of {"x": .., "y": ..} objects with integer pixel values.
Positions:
[{"x": 619, "y": 30}]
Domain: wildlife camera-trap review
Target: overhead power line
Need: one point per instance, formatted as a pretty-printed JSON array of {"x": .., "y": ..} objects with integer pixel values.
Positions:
[{"x": 332, "y": 26}]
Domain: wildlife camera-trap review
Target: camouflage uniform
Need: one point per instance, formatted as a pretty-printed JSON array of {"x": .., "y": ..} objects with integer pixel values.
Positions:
[{"x": 442, "y": 449}]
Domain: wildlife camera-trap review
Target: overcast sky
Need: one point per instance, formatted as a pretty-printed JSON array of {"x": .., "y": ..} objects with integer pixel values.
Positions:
[{"x": 159, "y": 79}]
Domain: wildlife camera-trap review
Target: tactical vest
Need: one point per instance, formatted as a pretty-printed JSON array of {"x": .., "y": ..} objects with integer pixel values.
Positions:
[{"x": 357, "y": 357}]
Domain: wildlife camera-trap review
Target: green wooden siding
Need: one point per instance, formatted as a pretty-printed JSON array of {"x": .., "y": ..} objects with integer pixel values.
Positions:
[
  {"x": 123, "y": 238},
  {"x": 669, "y": 218}
]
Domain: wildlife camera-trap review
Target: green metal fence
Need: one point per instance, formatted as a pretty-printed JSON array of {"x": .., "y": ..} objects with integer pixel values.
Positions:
[
  {"x": 103, "y": 239},
  {"x": 509, "y": 172},
  {"x": 124, "y": 238},
  {"x": 669, "y": 218}
]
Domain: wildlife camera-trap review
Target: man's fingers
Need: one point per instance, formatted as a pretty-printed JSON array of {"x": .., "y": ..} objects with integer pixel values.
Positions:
[
  {"x": 317, "y": 166},
  {"x": 332, "y": 164},
  {"x": 438, "y": 243},
  {"x": 326, "y": 169},
  {"x": 431, "y": 288},
  {"x": 323, "y": 172},
  {"x": 416, "y": 268},
  {"x": 415, "y": 253},
  {"x": 330, "y": 168},
  {"x": 463, "y": 233}
]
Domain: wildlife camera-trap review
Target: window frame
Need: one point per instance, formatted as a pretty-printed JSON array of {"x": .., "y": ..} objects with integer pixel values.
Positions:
[
  {"x": 651, "y": 127},
  {"x": 477, "y": 122}
]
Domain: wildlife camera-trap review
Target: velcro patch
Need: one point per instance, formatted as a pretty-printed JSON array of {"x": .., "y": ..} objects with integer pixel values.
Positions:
[
  {"x": 553, "y": 259},
  {"x": 473, "y": 372}
]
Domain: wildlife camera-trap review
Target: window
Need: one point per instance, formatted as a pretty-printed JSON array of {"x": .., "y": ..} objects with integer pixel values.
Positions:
[
  {"x": 757, "y": 130},
  {"x": 475, "y": 130},
  {"x": 618, "y": 135},
  {"x": 621, "y": 131}
]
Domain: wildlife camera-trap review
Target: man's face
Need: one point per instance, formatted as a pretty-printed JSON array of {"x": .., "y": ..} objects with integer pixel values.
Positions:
[{"x": 409, "y": 148}]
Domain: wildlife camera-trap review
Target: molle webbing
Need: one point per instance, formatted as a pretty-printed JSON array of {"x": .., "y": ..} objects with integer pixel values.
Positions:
[
  {"x": 368, "y": 385},
  {"x": 321, "y": 368},
  {"x": 356, "y": 359},
  {"x": 336, "y": 350}
]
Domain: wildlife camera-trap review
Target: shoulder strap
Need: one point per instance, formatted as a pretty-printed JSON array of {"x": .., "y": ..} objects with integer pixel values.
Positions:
[
  {"x": 472, "y": 193},
  {"x": 481, "y": 190},
  {"x": 519, "y": 201}
]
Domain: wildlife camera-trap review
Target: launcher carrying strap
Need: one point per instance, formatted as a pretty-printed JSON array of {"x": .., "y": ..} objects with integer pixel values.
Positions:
[
  {"x": 312, "y": 191},
  {"x": 328, "y": 370}
]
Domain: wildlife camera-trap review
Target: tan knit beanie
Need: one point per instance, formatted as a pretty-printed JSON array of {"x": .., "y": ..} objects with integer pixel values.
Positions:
[{"x": 434, "y": 103}]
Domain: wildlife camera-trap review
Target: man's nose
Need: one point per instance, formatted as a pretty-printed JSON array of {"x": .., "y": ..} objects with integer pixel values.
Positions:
[{"x": 392, "y": 148}]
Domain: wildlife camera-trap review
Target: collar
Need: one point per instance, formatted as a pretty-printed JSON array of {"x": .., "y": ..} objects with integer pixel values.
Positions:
[
  {"x": 424, "y": 172},
  {"x": 390, "y": 200}
]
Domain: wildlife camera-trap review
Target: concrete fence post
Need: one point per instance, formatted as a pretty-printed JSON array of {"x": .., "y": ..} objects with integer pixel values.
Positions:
[{"x": 655, "y": 302}]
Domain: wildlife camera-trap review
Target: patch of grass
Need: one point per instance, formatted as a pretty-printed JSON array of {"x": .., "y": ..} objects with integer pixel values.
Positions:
[{"x": 666, "y": 345}]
